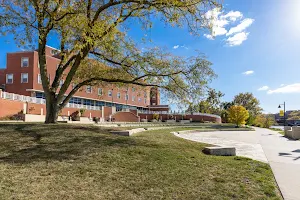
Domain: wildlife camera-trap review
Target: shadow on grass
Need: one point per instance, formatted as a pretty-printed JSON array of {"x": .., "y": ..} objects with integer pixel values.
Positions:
[{"x": 26, "y": 143}]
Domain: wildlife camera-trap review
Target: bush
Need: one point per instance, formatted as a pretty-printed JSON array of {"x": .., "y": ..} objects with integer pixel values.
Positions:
[
  {"x": 18, "y": 116},
  {"x": 264, "y": 121},
  {"x": 96, "y": 119},
  {"x": 156, "y": 116},
  {"x": 82, "y": 111}
]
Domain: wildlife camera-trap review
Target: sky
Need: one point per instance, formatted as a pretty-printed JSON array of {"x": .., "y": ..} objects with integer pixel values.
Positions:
[{"x": 254, "y": 47}]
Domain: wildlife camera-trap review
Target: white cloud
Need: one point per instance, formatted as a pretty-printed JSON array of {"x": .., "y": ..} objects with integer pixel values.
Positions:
[
  {"x": 282, "y": 85},
  {"x": 218, "y": 21},
  {"x": 184, "y": 47},
  {"x": 237, "y": 39},
  {"x": 208, "y": 36},
  {"x": 178, "y": 46},
  {"x": 293, "y": 88},
  {"x": 213, "y": 19},
  {"x": 241, "y": 27},
  {"x": 232, "y": 15},
  {"x": 248, "y": 72},
  {"x": 263, "y": 88}
]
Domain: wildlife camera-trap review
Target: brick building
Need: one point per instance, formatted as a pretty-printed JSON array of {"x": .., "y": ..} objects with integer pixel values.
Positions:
[
  {"x": 21, "y": 76},
  {"x": 21, "y": 91}
]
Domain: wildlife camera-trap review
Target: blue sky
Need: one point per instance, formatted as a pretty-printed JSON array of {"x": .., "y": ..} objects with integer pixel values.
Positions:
[{"x": 256, "y": 46}]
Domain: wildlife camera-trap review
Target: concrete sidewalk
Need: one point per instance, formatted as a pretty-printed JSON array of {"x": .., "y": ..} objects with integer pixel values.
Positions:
[
  {"x": 264, "y": 145},
  {"x": 284, "y": 158}
]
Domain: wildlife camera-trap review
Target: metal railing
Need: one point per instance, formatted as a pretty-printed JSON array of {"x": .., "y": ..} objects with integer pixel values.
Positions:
[{"x": 17, "y": 97}]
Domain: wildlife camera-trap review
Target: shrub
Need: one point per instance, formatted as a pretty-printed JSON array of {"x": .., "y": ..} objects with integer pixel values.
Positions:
[
  {"x": 82, "y": 111},
  {"x": 264, "y": 121},
  {"x": 156, "y": 116}
]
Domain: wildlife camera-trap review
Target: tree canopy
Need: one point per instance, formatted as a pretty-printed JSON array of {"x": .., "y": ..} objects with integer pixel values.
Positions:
[
  {"x": 248, "y": 101},
  {"x": 212, "y": 103},
  {"x": 238, "y": 115},
  {"x": 97, "y": 29}
]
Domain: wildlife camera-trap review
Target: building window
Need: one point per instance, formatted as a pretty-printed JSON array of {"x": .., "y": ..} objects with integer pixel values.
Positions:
[
  {"x": 88, "y": 102},
  {"x": 75, "y": 100},
  {"x": 24, "y": 62},
  {"x": 133, "y": 98},
  {"x": 39, "y": 79},
  {"x": 145, "y": 94},
  {"x": 61, "y": 82},
  {"x": 126, "y": 97},
  {"x": 145, "y": 100},
  {"x": 140, "y": 99},
  {"x": 100, "y": 91},
  {"x": 109, "y": 93},
  {"x": 53, "y": 51},
  {"x": 9, "y": 78},
  {"x": 40, "y": 95},
  {"x": 133, "y": 89},
  {"x": 88, "y": 89},
  {"x": 24, "y": 77},
  {"x": 119, "y": 95}
]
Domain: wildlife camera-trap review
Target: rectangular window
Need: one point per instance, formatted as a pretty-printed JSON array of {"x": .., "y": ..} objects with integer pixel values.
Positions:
[
  {"x": 9, "y": 78},
  {"x": 109, "y": 93},
  {"x": 140, "y": 99},
  {"x": 24, "y": 77},
  {"x": 40, "y": 95},
  {"x": 75, "y": 100},
  {"x": 145, "y": 100},
  {"x": 39, "y": 79},
  {"x": 88, "y": 89},
  {"x": 100, "y": 92},
  {"x": 24, "y": 62},
  {"x": 53, "y": 51},
  {"x": 133, "y": 89},
  {"x": 61, "y": 82},
  {"x": 126, "y": 97},
  {"x": 133, "y": 98},
  {"x": 145, "y": 94},
  {"x": 119, "y": 95}
]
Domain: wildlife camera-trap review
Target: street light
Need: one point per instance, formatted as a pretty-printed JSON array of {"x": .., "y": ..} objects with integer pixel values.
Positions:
[{"x": 284, "y": 119}]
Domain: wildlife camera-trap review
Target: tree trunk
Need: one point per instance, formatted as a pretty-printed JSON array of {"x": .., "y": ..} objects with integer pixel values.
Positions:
[{"x": 51, "y": 109}]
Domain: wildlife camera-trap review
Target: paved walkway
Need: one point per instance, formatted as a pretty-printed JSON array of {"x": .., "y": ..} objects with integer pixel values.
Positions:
[{"x": 264, "y": 145}]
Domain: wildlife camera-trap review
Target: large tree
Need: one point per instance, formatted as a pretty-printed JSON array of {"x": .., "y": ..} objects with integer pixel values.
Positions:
[
  {"x": 96, "y": 29},
  {"x": 251, "y": 103},
  {"x": 211, "y": 104}
]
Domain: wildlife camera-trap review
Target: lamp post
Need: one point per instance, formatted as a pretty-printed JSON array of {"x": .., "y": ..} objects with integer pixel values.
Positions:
[{"x": 284, "y": 119}]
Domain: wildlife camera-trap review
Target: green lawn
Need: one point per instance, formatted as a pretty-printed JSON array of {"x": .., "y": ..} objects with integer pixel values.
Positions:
[{"x": 86, "y": 162}]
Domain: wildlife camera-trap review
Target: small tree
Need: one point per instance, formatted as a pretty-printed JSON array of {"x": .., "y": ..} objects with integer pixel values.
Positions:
[
  {"x": 264, "y": 121},
  {"x": 238, "y": 115}
]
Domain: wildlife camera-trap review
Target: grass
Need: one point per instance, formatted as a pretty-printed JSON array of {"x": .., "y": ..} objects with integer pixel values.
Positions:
[
  {"x": 86, "y": 162},
  {"x": 278, "y": 130}
]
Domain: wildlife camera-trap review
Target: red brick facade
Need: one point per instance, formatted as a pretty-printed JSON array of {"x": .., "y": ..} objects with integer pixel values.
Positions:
[{"x": 137, "y": 96}]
